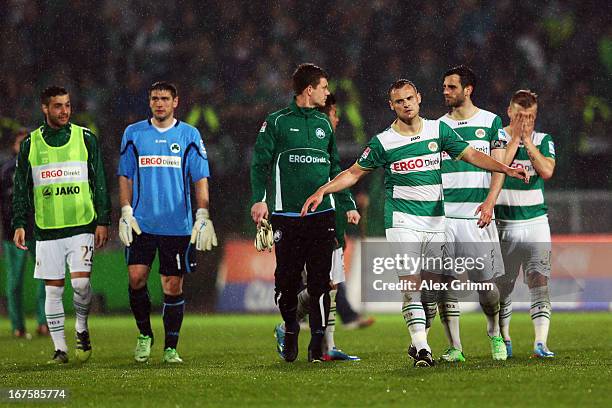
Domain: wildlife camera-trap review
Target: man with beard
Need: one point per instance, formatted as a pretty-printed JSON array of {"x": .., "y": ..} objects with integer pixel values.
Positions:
[
  {"x": 470, "y": 194},
  {"x": 60, "y": 176}
]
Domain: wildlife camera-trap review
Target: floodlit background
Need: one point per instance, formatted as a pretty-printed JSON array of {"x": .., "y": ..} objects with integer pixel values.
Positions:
[{"x": 232, "y": 62}]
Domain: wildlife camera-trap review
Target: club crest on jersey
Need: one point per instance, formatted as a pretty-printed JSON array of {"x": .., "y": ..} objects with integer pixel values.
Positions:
[
  {"x": 278, "y": 234},
  {"x": 365, "y": 153},
  {"x": 320, "y": 133},
  {"x": 175, "y": 148},
  {"x": 480, "y": 133},
  {"x": 433, "y": 146},
  {"x": 263, "y": 127}
]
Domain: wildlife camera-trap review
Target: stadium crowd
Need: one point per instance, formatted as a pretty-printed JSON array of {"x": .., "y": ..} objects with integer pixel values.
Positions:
[{"x": 231, "y": 61}]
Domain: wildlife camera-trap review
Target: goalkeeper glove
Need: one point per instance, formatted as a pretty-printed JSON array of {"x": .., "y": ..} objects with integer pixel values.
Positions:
[
  {"x": 203, "y": 233},
  {"x": 127, "y": 222},
  {"x": 265, "y": 237}
]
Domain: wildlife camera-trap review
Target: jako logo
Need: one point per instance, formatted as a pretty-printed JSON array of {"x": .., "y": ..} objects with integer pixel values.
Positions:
[
  {"x": 297, "y": 158},
  {"x": 58, "y": 173},
  {"x": 417, "y": 164},
  {"x": 59, "y": 191},
  {"x": 160, "y": 161},
  {"x": 67, "y": 190}
]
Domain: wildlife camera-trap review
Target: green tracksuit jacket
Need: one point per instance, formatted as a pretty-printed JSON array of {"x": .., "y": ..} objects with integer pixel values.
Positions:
[{"x": 297, "y": 148}]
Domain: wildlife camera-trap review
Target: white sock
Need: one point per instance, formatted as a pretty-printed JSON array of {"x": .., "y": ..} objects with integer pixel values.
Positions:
[
  {"x": 428, "y": 299},
  {"x": 505, "y": 314},
  {"x": 303, "y": 307},
  {"x": 540, "y": 313},
  {"x": 489, "y": 301},
  {"x": 414, "y": 316},
  {"x": 54, "y": 309},
  {"x": 450, "y": 313},
  {"x": 328, "y": 339},
  {"x": 82, "y": 301}
]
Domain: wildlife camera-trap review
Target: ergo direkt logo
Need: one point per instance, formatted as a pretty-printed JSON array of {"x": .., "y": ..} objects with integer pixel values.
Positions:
[
  {"x": 60, "y": 173},
  {"x": 303, "y": 158},
  {"x": 159, "y": 161},
  {"x": 430, "y": 162}
]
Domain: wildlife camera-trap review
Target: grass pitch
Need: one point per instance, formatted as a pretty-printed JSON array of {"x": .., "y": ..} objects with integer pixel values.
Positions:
[{"x": 231, "y": 361}]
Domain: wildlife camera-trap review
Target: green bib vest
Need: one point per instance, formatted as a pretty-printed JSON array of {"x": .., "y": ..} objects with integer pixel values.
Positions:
[{"x": 62, "y": 195}]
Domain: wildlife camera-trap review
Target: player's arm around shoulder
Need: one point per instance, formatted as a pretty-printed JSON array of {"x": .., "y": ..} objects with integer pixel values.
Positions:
[{"x": 451, "y": 142}]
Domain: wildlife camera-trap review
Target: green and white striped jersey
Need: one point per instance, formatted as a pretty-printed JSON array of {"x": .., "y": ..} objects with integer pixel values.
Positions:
[
  {"x": 465, "y": 185},
  {"x": 520, "y": 201},
  {"x": 413, "y": 182}
]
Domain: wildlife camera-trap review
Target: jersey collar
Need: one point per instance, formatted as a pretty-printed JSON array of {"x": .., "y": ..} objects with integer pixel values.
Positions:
[
  {"x": 175, "y": 125},
  {"x": 301, "y": 111}
]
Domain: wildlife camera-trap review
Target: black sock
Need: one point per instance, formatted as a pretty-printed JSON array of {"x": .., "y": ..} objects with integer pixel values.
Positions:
[
  {"x": 174, "y": 308},
  {"x": 141, "y": 308}
]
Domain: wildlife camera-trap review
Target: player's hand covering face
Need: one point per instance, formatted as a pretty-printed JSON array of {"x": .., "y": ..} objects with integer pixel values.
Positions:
[{"x": 203, "y": 232}]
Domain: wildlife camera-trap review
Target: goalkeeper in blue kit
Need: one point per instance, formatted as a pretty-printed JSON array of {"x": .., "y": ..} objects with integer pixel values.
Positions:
[{"x": 160, "y": 157}]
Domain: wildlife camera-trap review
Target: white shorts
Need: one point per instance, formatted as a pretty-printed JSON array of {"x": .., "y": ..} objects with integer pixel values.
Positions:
[
  {"x": 476, "y": 246},
  {"x": 52, "y": 256},
  {"x": 526, "y": 245},
  {"x": 337, "y": 275},
  {"x": 424, "y": 245}
]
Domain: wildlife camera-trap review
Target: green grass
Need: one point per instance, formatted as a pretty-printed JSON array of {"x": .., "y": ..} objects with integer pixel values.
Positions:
[{"x": 231, "y": 361}]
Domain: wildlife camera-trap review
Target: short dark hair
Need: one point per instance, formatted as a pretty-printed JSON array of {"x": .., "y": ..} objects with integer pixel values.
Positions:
[
  {"x": 466, "y": 76},
  {"x": 524, "y": 98},
  {"x": 329, "y": 102},
  {"x": 50, "y": 92},
  {"x": 400, "y": 83},
  {"x": 307, "y": 74},
  {"x": 163, "y": 86}
]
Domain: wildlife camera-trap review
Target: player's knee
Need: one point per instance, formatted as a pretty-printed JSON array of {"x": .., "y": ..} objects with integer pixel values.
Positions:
[
  {"x": 54, "y": 292},
  {"x": 505, "y": 286},
  {"x": 489, "y": 296},
  {"x": 81, "y": 286},
  {"x": 137, "y": 281},
  {"x": 288, "y": 286},
  {"x": 536, "y": 279},
  {"x": 172, "y": 287},
  {"x": 316, "y": 289}
]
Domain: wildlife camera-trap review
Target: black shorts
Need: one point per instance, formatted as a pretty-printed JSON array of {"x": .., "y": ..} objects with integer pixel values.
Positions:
[{"x": 176, "y": 254}]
